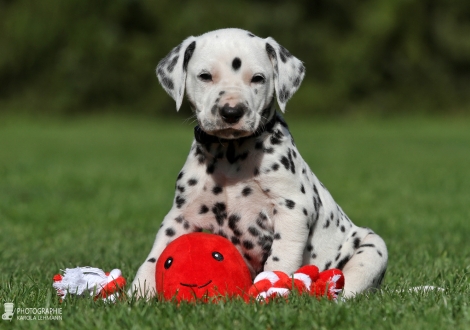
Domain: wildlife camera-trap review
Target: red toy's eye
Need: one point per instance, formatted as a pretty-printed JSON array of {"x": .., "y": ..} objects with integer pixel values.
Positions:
[
  {"x": 217, "y": 256},
  {"x": 168, "y": 263}
]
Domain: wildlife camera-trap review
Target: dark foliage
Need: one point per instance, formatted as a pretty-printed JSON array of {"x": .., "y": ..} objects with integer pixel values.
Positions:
[{"x": 386, "y": 56}]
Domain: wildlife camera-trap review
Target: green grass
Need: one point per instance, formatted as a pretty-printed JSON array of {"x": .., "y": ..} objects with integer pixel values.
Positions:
[{"x": 92, "y": 191}]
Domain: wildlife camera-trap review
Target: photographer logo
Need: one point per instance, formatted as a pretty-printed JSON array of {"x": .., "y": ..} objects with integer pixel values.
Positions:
[
  {"x": 31, "y": 314},
  {"x": 8, "y": 315}
]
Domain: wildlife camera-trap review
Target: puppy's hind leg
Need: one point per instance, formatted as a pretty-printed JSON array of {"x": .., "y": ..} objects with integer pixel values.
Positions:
[{"x": 365, "y": 270}]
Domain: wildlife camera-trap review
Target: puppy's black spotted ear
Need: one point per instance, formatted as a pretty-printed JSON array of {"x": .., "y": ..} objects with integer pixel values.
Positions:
[
  {"x": 289, "y": 71},
  {"x": 171, "y": 71}
]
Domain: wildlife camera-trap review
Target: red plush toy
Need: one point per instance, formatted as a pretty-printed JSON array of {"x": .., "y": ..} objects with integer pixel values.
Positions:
[
  {"x": 206, "y": 267},
  {"x": 201, "y": 266}
]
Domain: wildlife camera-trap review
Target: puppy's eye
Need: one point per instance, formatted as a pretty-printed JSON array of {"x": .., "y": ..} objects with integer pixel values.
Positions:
[
  {"x": 206, "y": 77},
  {"x": 258, "y": 79}
]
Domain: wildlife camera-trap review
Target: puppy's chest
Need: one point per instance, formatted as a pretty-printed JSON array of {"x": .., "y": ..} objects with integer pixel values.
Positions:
[
  {"x": 230, "y": 203},
  {"x": 225, "y": 195}
]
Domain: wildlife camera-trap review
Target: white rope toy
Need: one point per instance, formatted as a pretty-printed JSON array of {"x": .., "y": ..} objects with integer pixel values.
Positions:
[{"x": 89, "y": 281}]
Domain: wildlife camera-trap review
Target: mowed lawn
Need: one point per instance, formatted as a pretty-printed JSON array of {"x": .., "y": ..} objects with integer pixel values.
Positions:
[{"x": 93, "y": 191}]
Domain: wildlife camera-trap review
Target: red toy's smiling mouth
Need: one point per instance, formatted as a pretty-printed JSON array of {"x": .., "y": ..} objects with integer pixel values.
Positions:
[{"x": 195, "y": 285}]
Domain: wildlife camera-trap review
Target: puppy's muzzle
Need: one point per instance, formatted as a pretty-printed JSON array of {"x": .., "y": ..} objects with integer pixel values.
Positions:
[{"x": 231, "y": 115}]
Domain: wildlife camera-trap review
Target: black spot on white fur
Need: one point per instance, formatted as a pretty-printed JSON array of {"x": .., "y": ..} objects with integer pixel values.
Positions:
[
  {"x": 179, "y": 201},
  {"x": 284, "y": 54},
  {"x": 180, "y": 175},
  {"x": 285, "y": 161},
  {"x": 356, "y": 243},
  {"x": 343, "y": 262},
  {"x": 236, "y": 63},
  {"x": 217, "y": 190},
  {"x": 233, "y": 219},
  {"x": 172, "y": 64},
  {"x": 290, "y": 204},
  {"x": 253, "y": 231},
  {"x": 247, "y": 191},
  {"x": 261, "y": 220},
  {"x": 179, "y": 219},
  {"x": 271, "y": 52},
  {"x": 204, "y": 209},
  {"x": 248, "y": 245},
  {"x": 188, "y": 54},
  {"x": 284, "y": 94},
  {"x": 170, "y": 232},
  {"x": 219, "y": 210},
  {"x": 366, "y": 245}
]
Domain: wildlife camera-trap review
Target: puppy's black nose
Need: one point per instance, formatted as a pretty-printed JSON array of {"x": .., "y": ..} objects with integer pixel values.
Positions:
[{"x": 232, "y": 115}]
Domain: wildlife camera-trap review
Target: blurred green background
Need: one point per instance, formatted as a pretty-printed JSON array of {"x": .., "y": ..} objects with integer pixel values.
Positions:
[
  {"x": 374, "y": 57},
  {"x": 87, "y": 168}
]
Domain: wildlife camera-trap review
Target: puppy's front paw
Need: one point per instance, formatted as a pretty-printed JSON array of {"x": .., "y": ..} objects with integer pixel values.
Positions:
[{"x": 143, "y": 285}]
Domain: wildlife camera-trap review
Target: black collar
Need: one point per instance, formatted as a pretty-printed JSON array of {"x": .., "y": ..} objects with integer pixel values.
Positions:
[{"x": 203, "y": 137}]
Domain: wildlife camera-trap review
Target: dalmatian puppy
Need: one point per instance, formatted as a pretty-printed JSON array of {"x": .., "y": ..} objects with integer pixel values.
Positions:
[{"x": 244, "y": 178}]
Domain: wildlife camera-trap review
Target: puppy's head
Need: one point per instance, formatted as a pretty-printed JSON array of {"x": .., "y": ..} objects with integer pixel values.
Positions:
[{"x": 230, "y": 77}]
